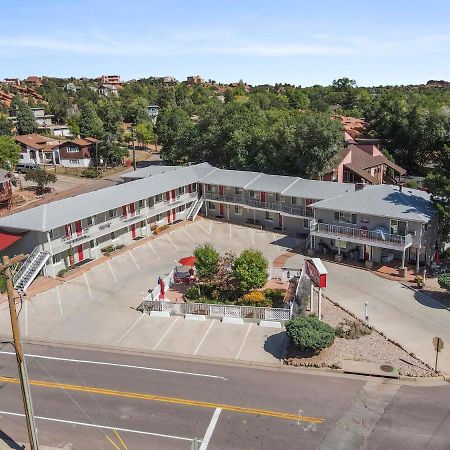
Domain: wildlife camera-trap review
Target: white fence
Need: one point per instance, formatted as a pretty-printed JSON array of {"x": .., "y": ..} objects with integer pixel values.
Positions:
[
  {"x": 243, "y": 312},
  {"x": 168, "y": 282}
]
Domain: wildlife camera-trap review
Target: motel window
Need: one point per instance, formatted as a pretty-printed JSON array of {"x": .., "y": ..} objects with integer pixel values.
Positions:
[
  {"x": 54, "y": 233},
  {"x": 74, "y": 161},
  {"x": 305, "y": 223},
  {"x": 252, "y": 194},
  {"x": 181, "y": 208},
  {"x": 180, "y": 190},
  {"x": 89, "y": 221},
  {"x": 211, "y": 206},
  {"x": 209, "y": 188},
  {"x": 113, "y": 235},
  {"x": 158, "y": 198},
  {"x": 238, "y": 210},
  {"x": 141, "y": 204},
  {"x": 269, "y": 215},
  {"x": 56, "y": 258},
  {"x": 237, "y": 191},
  {"x": 399, "y": 227},
  {"x": 293, "y": 200},
  {"x": 345, "y": 217},
  {"x": 112, "y": 213},
  {"x": 194, "y": 187},
  {"x": 277, "y": 197},
  {"x": 159, "y": 217},
  {"x": 93, "y": 243}
]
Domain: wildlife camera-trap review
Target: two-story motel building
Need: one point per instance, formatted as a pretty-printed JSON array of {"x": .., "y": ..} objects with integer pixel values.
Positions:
[{"x": 371, "y": 223}]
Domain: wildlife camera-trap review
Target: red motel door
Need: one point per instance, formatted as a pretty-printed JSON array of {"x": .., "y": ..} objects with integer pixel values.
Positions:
[
  {"x": 132, "y": 210},
  {"x": 124, "y": 211},
  {"x": 173, "y": 194},
  {"x": 133, "y": 231},
  {"x": 280, "y": 221},
  {"x": 190, "y": 188},
  {"x": 78, "y": 227},
  {"x": 174, "y": 214},
  {"x": 220, "y": 190},
  {"x": 221, "y": 209},
  {"x": 168, "y": 196},
  {"x": 80, "y": 253},
  {"x": 68, "y": 229},
  {"x": 168, "y": 216},
  {"x": 263, "y": 197}
]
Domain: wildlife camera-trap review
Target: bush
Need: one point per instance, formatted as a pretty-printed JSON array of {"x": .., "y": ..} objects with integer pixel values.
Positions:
[
  {"x": 62, "y": 272},
  {"x": 91, "y": 172},
  {"x": 207, "y": 261},
  {"x": 160, "y": 229},
  {"x": 411, "y": 184},
  {"x": 193, "y": 293},
  {"x": 255, "y": 298},
  {"x": 352, "y": 329},
  {"x": 276, "y": 296},
  {"x": 444, "y": 281},
  {"x": 107, "y": 250},
  {"x": 250, "y": 270},
  {"x": 2, "y": 284},
  {"x": 310, "y": 334}
]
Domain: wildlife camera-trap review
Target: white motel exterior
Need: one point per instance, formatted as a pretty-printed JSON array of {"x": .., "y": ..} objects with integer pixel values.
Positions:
[{"x": 363, "y": 223}]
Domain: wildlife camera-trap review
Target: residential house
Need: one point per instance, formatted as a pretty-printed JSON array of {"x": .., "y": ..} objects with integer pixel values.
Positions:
[
  {"x": 110, "y": 79},
  {"x": 71, "y": 87},
  {"x": 33, "y": 80},
  {"x": 76, "y": 152},
  {"x": 107, "y": 90},
  {"x": 37, "y": 149},
  {"x": 13, "y": 81},
  {"x": 195, "y": 79},
  {"x": 153, "y": 111}
]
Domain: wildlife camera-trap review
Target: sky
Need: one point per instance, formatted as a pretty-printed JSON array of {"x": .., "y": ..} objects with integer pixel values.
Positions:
[{"x": 303, "y": 42}]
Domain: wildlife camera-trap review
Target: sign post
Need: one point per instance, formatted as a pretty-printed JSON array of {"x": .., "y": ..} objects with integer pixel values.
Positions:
[
  {"x": 438, "y": 345},
  {"x": 317, "y": 273}
]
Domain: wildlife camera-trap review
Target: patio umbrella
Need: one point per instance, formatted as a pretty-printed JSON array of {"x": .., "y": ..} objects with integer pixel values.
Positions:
[{"x": 188, "y": 261}]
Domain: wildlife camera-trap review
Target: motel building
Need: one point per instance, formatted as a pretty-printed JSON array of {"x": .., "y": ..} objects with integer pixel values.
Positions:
[{"x": 356, "y": 222}]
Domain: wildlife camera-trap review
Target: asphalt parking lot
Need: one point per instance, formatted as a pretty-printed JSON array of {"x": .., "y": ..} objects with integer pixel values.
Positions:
[{"x": 98, "y": 307}]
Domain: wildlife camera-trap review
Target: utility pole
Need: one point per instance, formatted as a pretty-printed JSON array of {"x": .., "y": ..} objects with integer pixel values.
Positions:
[
  {"x": 134, "y": 148},
  {"x": 23, "y": 376}
]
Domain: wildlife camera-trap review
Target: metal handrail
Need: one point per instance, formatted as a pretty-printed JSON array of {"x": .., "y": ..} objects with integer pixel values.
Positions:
[
  {"x": 25, "y": 265},
  {"x": 361, "y": 233}
]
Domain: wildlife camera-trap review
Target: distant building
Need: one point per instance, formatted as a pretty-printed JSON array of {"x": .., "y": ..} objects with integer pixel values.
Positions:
[
  {"x": 33, "y": 80},
  {"x": 110, "y": 79},
  {"x": 76, "y": 152},
  {"x": 70, "y": 87},
  {"x": 169, "y": 79},
  {"x": 42, "y": 120},
  {"x": 195, "y": 79},
  {"x": 107, "y": 90},
  {"x": 153, "y": 111},
  {"x": 15, "y": 81}
]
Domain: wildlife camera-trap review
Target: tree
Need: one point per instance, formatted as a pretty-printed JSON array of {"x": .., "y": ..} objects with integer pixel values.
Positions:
[
  {"x": 41, "y": 178},
  {"x": 9, "y": 152},
  {"x": 26, "y": 122},
  {"x": 5, "y": 125},
  {"x": 310, "y": 334},
  {"x": 207, "y": 260},
  {"x": 90, "y": 124},
  {"x": 444, "y": 281},
  {"x": 144, "y": 133},
  {"x": 438, "y": 182},
  {"x": 250, "y": 270},
  {"x": 137, "y": 111}
]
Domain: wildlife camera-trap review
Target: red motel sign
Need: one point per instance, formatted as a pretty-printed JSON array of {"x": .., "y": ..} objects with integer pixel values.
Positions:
[{"x": 316, "y": 272}]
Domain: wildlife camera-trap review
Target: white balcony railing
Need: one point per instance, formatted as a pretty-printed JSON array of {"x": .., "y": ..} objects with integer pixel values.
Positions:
[
  {"x": 255, "y": 203},
  {"x": 361, "y": 235}
]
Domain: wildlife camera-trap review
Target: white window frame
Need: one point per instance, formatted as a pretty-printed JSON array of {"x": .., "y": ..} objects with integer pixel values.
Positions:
[
  {"x": 270, "y": 216},
  {"x": 238, "y": 210}
]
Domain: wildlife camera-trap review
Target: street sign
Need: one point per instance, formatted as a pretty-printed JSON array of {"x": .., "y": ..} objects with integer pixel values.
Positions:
[
  {"x": 316, "y": 272},
  {"x": 438, "y": 344}
]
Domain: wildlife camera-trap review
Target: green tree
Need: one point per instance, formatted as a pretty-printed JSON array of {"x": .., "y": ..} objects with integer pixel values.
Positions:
[
  {"x": 9, "y": 152},
  {"x": 6, "y": 125},
  {"x": 438, "y": 182},
  {"x": 41, "y": 178},
  {"x": 144, "y": 133},
  {"x": 250, "y": 270},
  {"x": 207, "y": 261},
  {"x": 137, "y": 111},
  {"x": 74, "y": 124},
  {"x": 444, "y": 281},
  {"x": 90, "y": 124},
  {"x": 26, "y": 122},
  {"x": 310, "y": 334}
]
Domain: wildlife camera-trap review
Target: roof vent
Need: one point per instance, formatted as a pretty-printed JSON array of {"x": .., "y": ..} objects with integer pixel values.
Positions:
[{"x": 359, "y": 186}]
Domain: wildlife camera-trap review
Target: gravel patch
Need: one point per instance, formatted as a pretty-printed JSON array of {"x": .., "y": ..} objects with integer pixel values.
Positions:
[{"x": 374, "y": 347}]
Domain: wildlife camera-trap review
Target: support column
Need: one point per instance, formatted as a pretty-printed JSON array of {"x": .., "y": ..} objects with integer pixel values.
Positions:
[
  {"x": 417, "y": 260},
  {"x": 319, "y": 307},
  {"x": 311, "y": 298},
  {"x": 403, "y": 257}
]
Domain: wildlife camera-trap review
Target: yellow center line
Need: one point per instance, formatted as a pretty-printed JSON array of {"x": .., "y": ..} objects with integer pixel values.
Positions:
[{"x": 159, "y": 398}]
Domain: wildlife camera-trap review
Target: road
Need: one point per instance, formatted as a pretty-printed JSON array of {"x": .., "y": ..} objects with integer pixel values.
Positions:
[{"x": 86, "y": 399}]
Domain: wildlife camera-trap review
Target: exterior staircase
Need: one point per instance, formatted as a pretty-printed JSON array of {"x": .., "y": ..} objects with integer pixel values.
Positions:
[
  {"x": 29, "y": 269},
  {"x": 195, "y": 208}
]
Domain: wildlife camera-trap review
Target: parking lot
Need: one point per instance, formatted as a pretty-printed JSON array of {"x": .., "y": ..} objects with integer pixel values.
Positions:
[{"x": 98, "y": 307}]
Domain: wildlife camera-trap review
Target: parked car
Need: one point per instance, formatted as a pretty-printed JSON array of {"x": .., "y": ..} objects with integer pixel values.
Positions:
[{"x": 24, "y": 167}]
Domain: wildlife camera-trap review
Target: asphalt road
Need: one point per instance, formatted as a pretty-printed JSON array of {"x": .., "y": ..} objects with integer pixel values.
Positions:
[{"x": 81, "y": 396}]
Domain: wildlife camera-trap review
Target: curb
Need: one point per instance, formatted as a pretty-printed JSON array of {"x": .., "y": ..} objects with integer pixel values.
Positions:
[{"x": 425, "y": 295}]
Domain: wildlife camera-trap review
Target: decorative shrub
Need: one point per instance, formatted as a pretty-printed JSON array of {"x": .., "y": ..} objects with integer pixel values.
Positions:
[
  {"x": 310, "y": 334},
  {"x": 207, "y": 261},
  {"x": 160, "y": 229},
  {"x": 193, "y": 293},
  {"x": 254, "y": 298},
  {"x": 91, "y": 172},
  {"x": 276, "y": 296},
  {"x": 62, "y": 272},
  {"x": 352, "y": 329},
  {"x": 250, "y": 270},
  {"x": 444, "y": 281}
]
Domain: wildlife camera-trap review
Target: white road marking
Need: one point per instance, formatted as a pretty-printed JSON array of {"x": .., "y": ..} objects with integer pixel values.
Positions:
[
  {"x": 253, "y": 237},
  {"x": 104, "y": 427},
  {"x": 188, "y": 235},
  {"x": 275, "y": 240},
  {"x": 112, "y": 272},
  {"x": 200, "y": 225},
  {"x": 89, "y": 287},
  {"x": 173, "y": 243},
  {"x": 26, "y": 317},
  {"x": 153, "y": 250},
  {"x": 230, "y": 231},
  {"x": 210, "y": 227},
  {"x": 134, "y": 260},
  {"x": 203, "y": 338},
  {"x": 243, "y": 341},
  {"x": 165, "y": 333},
  {"x": 129, "y": 329},
  {"x": 210, "y": 429},
  {"x": 126, "y": 366},
  {"x": 59, "y": 300}
]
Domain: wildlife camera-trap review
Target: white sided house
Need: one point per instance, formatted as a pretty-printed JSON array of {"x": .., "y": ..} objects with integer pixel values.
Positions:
[{"x": 375, "y": 223}]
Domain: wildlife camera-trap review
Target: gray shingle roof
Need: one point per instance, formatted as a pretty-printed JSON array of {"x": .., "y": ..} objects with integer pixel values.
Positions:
[
  {"x": 318, "y": 190},
  {"x": 385, "y": 201},
  {"x": 271, "y": 183},
  {"x": 233, "y": 178},
  {"x": 148, "y": 172},
  {"x": 61, "y": 212}
]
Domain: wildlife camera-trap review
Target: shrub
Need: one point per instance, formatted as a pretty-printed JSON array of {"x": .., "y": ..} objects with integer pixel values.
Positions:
[
  {"x": 91, "y": 172},
  {"x": 107, "y": 250},
  {"x": 250, "y": 270},
  {"x": 160, "y": 229},
  {"x": 207, "y": 261},
  {"x": 444, "y": 281},
  {"x": 276, "y": 296},
  {"x": 193, "y": 293},
  {"x": 411, "y": 184},
  {"x": 310, "y": 334},
  {"x": 255, "y": 298},
  {"x": 2, "y": 284},
  {"x": 62, "y": 272},
  {"x": 352, "y": 329}
]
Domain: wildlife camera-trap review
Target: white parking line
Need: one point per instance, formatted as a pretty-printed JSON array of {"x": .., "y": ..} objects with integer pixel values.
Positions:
[
  {"x": 134, "y": 260},
  {"x": 153, "y": 250},
  {"x": 59, "y": 300},
  {"x": 210, "y": 227},
  {"x": 210, "y": 429},
  {"x": 230, "y": 231},
  {"x": 104, "y": 427},
  {"x": 253, "y": 237},
  {"x": 188, "y": 235},
  {"x": 204, "y": 229},
  {"x": 165, "y": 333},
  {"x": 275, "y": 240},
  {"x": 173, "y": 243},
  {"x": 129, "y": 329},
  {"x": 126, "y": 366},
  {"x": 203, "y": 338},
  {"x": 112, "y": 272},
  {"x": 89, "y": 287},
  {"x": 243, "y": 341}
]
